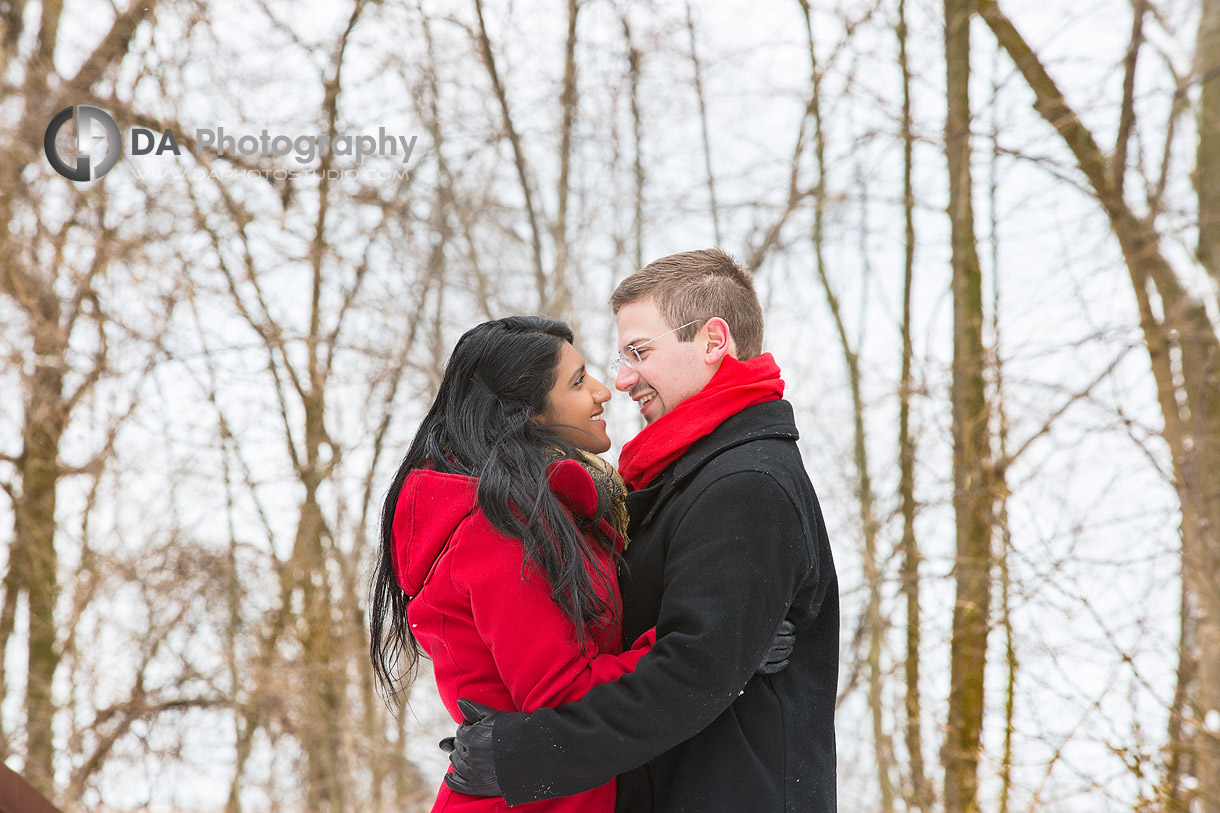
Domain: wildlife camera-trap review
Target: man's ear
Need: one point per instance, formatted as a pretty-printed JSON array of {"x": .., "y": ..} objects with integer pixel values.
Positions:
[{"x": 719, "y": 342}]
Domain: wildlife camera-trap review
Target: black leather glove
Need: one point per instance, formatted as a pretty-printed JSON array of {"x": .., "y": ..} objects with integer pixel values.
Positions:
[
  {"x": 470, "y": 752},
  {"x": 776, "y": 659}
]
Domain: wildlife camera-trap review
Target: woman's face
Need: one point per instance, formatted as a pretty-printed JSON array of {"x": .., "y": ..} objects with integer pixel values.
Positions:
[{"x": 575, "y": 404}]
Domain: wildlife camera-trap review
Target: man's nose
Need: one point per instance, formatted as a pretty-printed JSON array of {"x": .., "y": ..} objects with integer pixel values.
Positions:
[{"x": 625, "y": 378}]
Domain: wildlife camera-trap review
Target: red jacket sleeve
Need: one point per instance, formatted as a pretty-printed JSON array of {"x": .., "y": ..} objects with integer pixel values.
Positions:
[{"x": 531, "y": 641}]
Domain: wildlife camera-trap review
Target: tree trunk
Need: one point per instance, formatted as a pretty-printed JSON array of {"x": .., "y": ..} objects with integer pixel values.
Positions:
[
  {"x": 637, "y": 135},
  {"x": 32, "y": 286},
  {"x": 1179, "y": 755},
  {"x": 559, "y": 304},
  {"x": 971, "y": 441},
  {"x": 701, "y": 97},
  {"x": 33, "y": 558},
  {"x": 320, "y": 733},
  {"x": 999, "y": 484},
  {"x": 1207, "y": 156},
  {"x": 320, "y": 653},
  {"x": 874, "y": 622},
  {"x": 920, "y": 795},
  {"x": 1202, "y": 563}
]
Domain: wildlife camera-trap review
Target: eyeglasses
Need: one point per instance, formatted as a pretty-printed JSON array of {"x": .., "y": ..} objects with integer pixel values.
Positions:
[{"x": 631, "y": 355}]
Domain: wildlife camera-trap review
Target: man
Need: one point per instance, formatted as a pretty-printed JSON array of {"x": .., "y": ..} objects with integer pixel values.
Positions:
[{"x": 727, "y": 539}]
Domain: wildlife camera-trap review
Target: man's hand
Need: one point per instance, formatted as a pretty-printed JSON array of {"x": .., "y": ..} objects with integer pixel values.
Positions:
[
  {"x": 776, "y": 659},
  {"x": 470, "y": 751},
  {"x": 474, "y": 768}
]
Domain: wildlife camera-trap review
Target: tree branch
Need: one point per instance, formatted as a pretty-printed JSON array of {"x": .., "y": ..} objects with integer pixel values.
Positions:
[
  {"x": 707, "y": 142},
  {"x": 1048, "y": 424},
  {"x": 633, "y": 73},
  {"x": 560, "y": 297},
  {"x": 514, "y": 141},
  {"x": 1179, "y": 106},
  {"x": 1136, "y": 235},
  {"x": 1126, "y": 119},
  {"x": 113, "y": 46},
  {"x": 1052, "y": 106}
]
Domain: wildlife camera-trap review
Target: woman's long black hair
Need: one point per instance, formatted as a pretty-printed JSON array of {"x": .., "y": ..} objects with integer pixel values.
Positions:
[{"x": 497, "y": 378}]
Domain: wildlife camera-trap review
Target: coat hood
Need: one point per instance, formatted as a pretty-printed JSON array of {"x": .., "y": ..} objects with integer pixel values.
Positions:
[
  {"x": 430, "y": 507},
  {"x": 432, "y": 504}
]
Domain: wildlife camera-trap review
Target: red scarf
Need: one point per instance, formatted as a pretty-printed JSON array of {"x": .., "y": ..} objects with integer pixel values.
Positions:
[{"x": 735, "y": 386}]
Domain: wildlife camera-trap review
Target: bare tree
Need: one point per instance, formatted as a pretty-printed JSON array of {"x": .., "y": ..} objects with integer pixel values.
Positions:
[
  {"x": 1002, "y": 521},
  {"x": 701, "y": 97},
  {"x": 58, "y": 302},
  {"x": 1183, "y": 347},
  {"x": 872, "y": 621},
  {"x": 920, "y": 795},
  {"x": 972, "y": 474},
  {"x": 633, "y": 77}
]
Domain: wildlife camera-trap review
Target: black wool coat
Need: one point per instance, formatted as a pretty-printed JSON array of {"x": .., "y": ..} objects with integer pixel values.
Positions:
[{"x": 725, "y": 543}]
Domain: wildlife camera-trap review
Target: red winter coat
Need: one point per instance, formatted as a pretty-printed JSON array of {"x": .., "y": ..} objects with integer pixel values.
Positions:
[{"x": 494, "y": 636}]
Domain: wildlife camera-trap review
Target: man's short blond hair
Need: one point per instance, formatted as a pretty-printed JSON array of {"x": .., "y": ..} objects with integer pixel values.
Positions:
[{"x": 694, "y": 286}]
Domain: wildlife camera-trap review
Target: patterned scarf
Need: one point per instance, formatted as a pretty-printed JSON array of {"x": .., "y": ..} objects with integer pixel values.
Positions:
[{"x": 610, "y": 483}]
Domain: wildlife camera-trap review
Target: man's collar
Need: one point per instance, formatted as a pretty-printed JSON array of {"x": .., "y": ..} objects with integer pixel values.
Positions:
[{"x": 771, "y": 419}]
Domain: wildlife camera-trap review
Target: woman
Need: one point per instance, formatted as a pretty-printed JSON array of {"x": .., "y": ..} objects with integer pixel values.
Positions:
[{"x": 499, "y": 539}]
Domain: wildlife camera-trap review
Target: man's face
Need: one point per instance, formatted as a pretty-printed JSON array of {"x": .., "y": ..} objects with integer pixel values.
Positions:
[{"x": 669, "y": 372}]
